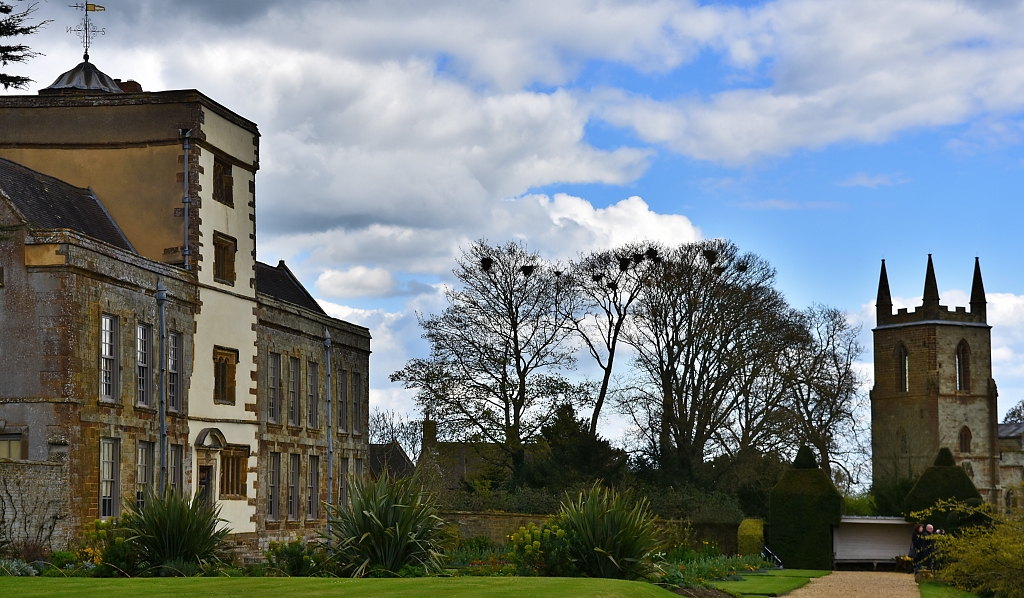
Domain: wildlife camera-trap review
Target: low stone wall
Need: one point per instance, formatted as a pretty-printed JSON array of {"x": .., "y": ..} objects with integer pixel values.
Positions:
[
  {"x": 34, "y": 505},
  {"x": 497, "y": 527}
]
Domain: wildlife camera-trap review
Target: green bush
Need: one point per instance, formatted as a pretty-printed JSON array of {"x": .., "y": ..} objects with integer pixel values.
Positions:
[
  {"x": 16, "y": 568},
  {"x": 698, "y": 573},
  {"x": 942, "y": 481},
  {"x": 389, "y": 524},
  {"x": 860, "y": 504},
  {"x": 543, "y": 551},
  {"x": 477, "y": 549},
  {"x": 296, "y": 559},
  {"x": 803, "y": 507},
  {"x": 172, "y": 530},
  {"x": 105, "y": 546},
  {"x": 985, "y": 559},
  {"x": 750, "y": 537},
  {"x": 610, "y": 533}
]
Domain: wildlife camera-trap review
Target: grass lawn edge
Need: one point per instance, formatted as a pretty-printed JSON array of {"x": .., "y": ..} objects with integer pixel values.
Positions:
[{"x": 275, "y": 587}]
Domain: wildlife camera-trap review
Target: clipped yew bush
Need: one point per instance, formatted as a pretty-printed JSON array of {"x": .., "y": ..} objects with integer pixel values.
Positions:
[
  {"x": 802, "y": 508},
  {"x": 943, "y": 481},
  {"x": 750, "y": 537}
]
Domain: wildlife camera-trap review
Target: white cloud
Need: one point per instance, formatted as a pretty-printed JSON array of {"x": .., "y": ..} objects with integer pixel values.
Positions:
[
  {"x": 558, "y": 227},
  {"x": 839, "y": 71},
  {"x": 871, "y": 181},
  {"x": 394, "y": 133},
  {"x": 357, "y": 281}
]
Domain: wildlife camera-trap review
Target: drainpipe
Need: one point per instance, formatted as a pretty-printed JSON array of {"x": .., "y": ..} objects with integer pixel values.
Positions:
[
  {"x": 330, "y": 431},
  {"x": 186, "y": 145},
  {"x": 161, "y": 300}
]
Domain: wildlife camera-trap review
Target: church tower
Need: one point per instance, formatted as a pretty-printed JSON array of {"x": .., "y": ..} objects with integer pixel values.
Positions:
[{"x": 934, "y": 387}]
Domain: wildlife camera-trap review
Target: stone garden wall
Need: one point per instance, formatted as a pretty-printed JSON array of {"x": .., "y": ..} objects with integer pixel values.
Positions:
[
  {"x": 497, "y": 526},
  {"x": 33, "y": 505}
]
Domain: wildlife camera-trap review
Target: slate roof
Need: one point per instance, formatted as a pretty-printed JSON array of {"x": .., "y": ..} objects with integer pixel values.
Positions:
[
  {"x": 391, "y": 456},
  {"x": 47, "y": 202},
  {"x": 1010, "y": 430},
  {"x": 281, "y": 284}
]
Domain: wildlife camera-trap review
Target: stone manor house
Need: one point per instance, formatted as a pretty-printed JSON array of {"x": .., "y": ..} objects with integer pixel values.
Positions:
[
  {"x": 934, "y": 388},
  {"x": 106, "y": 192}
]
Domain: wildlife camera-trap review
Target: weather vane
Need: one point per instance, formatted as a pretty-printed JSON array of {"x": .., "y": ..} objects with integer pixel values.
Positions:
[{"x": 86, "y": 31}]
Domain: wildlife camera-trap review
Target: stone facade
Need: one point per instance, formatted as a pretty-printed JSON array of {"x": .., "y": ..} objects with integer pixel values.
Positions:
[
  {"x": 295, "y": 335},
  {"x": 934, "y": 387},
  {"x": 58, "y": 285}
]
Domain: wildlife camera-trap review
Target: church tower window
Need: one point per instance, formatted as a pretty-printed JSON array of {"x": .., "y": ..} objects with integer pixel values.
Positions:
[
  {"x": 965, "y": 439},
  {"x": 963, "y": 367},
  {"x": 903, "y": 368}
]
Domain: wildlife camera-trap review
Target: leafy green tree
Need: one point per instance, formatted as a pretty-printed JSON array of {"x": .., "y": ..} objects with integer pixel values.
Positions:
[
  {"x": 1016, "y": 414},
  {"x": 16, "y": 24},
  {"x": 567, "y": 455}
]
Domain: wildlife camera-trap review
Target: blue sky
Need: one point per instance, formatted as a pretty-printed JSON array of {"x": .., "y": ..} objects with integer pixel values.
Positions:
[{"x": 823, "y": 135}]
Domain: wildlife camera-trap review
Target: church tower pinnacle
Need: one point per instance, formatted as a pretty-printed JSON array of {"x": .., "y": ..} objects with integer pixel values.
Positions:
[
  {"x": 883, "y": 304},
  {"x": 931, "y": 288},
  {"x": 978, "y": 301}
]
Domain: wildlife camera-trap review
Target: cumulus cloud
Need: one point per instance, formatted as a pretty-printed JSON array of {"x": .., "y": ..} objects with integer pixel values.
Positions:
[
  {"x": 395, "y": 132},
  {"x": 839, "y": 71},
  {"x": 558, "y": 226},
  {"x": 357, "y": 281}
]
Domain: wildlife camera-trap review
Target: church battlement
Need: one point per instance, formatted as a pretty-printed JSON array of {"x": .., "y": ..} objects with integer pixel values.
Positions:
[{"x": 930, "y": 312}]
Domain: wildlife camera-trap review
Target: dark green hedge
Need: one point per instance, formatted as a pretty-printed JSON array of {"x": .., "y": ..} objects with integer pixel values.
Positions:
[
  {"x": 803, "y": 507},
  {"x": 944, "y": 480}
]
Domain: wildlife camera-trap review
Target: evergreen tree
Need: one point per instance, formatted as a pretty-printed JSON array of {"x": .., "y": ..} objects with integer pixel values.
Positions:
[{"x": 14, "y": 24}]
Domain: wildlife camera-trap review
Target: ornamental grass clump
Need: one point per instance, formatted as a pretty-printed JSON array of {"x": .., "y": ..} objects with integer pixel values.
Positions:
[
  {"x": 610, "y": 534},
  {"x": 391, "y": 524},
  {"x": 175, "y": 535}
]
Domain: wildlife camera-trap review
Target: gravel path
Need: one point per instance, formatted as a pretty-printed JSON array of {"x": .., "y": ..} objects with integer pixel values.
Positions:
[{"x": 862, "y": 584}]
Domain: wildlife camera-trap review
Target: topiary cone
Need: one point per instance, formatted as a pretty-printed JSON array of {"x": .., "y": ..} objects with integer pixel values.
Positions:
[
  {"x": 943, "y": 480},
  {"x": 802, "y": 508}
]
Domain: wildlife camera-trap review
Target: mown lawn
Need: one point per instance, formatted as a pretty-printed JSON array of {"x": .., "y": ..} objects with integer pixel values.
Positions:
[
  {"x": 769, "y": 583},
  {"x": 934, "y": 589},
  {"x": 293, "y": 587}
]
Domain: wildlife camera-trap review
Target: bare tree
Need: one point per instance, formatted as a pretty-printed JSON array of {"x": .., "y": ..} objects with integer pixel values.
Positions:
[
  {"x": 825, "y": 396},
  {"x": 608, "y": 284},
  {"x": 387, "y": 426},
  {"x": 15, "y": 24},
  {"x": 497, "y": 349},
  {"x": 708, "y": 317}
]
